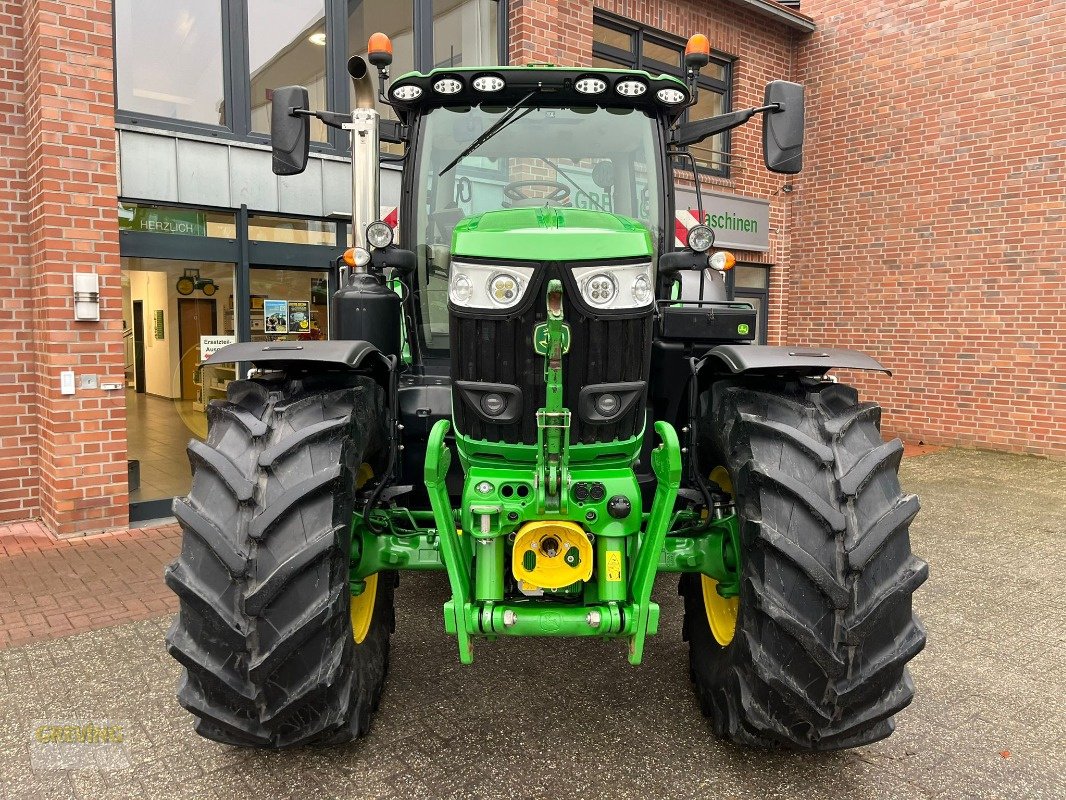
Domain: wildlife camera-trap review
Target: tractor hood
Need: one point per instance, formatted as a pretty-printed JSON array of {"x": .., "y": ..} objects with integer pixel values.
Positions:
[{"x": 551, "y": 234}]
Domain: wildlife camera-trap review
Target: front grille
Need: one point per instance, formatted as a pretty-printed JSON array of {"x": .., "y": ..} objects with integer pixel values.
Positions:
[{"x": 500, "y": 350}]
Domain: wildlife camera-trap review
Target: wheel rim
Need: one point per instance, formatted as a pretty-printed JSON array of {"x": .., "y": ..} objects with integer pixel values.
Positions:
[
  {"x": 721, "y": 611},
  {"x": 362, "y": 609}
]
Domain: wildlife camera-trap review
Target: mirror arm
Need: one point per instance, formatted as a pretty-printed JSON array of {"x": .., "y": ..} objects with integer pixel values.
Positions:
[
  {"x": 333, "y": 119},
  {"x": 696, "y": 132}
]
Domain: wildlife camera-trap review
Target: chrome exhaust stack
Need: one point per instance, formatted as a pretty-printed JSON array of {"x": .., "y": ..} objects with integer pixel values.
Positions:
[{"x": 364, "y": 128}]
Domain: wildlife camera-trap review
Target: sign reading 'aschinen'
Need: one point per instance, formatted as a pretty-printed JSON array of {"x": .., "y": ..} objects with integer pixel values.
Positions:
[{"x": 739, "y": 222}]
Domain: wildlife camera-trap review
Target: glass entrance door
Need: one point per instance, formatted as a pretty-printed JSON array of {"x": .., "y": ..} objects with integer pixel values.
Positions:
[{"x": 171, "y": 307}]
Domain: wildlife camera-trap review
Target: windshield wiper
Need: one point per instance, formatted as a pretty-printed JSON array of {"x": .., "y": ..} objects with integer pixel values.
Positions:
[{"x": 491, "y": 131}]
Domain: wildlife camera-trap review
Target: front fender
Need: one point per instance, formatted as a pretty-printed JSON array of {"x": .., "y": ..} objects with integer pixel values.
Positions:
[
  {"x": 299, "y": 356},
  {"x": 795, "y": 359}
]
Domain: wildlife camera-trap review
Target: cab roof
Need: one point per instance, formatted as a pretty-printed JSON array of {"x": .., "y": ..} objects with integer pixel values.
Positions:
[{"x": 461, "y": 86}]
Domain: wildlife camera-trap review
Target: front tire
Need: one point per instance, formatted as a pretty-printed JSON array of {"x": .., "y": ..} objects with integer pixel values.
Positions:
[
  {"x": 264, "y": 629},
  {"x": 824, "y": 625}
]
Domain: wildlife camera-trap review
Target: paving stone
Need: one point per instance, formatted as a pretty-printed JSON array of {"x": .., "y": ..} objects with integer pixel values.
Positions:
[{"x": 537, "y": 718}]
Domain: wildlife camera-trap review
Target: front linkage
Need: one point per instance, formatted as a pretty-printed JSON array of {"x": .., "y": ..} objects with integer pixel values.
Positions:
[{"x": 583, "y": 556}]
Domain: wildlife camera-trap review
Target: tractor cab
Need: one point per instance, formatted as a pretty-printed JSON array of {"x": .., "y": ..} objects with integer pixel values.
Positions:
[{"x": 530, "y": 164}]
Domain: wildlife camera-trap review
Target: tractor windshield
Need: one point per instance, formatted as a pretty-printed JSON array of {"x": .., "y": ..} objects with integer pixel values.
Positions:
[{"x": 601, "y": 159}]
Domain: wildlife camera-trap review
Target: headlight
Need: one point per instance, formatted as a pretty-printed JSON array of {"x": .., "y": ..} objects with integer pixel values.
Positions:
[
  {"x": 487, "y": 285},
  {"x": 505, "y": 289},
  {"x": 378, "y": 234},
  {"x": 461, "y": 289},
  {"x": 700, "y": 238},
  {"x": 615, "y": 287},
  {"x": 600, "y": 288}
]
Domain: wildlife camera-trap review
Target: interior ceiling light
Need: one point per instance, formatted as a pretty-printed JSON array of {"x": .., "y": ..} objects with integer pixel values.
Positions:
[{"x": 317, "y": 38}]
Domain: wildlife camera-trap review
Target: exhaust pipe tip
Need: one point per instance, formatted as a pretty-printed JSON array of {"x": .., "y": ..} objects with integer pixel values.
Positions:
[{"x": 362, "y": 84}]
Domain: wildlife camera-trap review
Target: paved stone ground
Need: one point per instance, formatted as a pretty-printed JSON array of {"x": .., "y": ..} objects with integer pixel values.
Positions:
[
  {"x": 56, "y": 587},
  {"x": 544, "y": 719}
]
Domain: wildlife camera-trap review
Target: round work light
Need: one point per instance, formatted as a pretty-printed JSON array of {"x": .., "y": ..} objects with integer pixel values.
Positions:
[
  {"x": 378, "y": 234},
  {"x": 700, "y": 238}
]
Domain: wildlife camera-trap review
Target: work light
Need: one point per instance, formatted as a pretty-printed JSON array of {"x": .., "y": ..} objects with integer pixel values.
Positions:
[
  {"x": 700, "y": 238},
  {"x": 378, "y": 235},
  {"x": 407, "y": 93},
  {"x": 590, "y": 85},
  {"x": 448, "y": 86},
  {"x": 671, "y": 96},
  {"x": 488, "y": 83},
  {"x": 631, "y": 88}
]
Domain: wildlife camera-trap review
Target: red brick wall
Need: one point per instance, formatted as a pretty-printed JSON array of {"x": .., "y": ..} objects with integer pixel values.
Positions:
[
  {"x": 560, "y": 32},
  {"x": 57, "y": 110},
  {"x": 928, "y": 224},
  {"x": 18, "y": 419}
]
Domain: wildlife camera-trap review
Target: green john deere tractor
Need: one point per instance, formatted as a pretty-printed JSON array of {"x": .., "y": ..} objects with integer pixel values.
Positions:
[{"x": 535, "y": 392}]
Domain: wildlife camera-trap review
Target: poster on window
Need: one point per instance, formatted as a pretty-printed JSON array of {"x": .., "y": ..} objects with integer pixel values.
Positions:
[
  {"x": 276, "y": 316},
  {"x": 299, "y": 316}
]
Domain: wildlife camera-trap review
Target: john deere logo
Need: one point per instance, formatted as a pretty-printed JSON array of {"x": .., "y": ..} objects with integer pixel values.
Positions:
[
  {"x": 742, "y": 328},
  {"x": 540, "y": 338}
]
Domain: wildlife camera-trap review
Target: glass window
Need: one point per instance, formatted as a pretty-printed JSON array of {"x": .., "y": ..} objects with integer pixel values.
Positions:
[
  {"x": 289, "y": 305},
  {"x": 710, "y": 153},
  {"x": 662, "y": 53},
  {"x": 751, "y": 277},
  {"x": 286, "y": 47},
  {"x": 612, "y": 37},
  {"x": 616, "y": 43},
  {"x": 292, "y": 231},
  {"x": 169, "y": 59},
  {"x": 396, "y": 19},
  {"x": 464, "y": 33},
  {"x": 594, "y": 158}
]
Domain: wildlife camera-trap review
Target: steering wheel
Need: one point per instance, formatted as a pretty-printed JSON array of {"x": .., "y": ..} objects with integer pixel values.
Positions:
[{"x": 559, "y": 193}]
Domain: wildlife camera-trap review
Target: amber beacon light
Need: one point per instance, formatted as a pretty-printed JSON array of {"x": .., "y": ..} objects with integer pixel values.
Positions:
[
  {"x": 379, "y": 50},
  {"x": 697, "y": 51}
]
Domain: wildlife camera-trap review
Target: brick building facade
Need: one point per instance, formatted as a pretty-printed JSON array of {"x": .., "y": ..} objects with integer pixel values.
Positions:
[{"x": 926, "y": 227}]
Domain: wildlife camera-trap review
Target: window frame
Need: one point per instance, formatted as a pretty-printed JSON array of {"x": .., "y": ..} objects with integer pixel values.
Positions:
[
  {"x": 635, "y": 59},
  {"x": 236, "y": 79}
]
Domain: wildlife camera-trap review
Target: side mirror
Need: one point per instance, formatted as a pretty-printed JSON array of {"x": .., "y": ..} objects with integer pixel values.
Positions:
[
  {"x": 782, "y": 130},
  {"x": 290, "y": 133}
]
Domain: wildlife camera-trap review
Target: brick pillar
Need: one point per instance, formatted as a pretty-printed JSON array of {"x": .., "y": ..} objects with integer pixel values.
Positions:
[
  {"x": 70, "y": 220},
  {"x": 551, "y": 31}
]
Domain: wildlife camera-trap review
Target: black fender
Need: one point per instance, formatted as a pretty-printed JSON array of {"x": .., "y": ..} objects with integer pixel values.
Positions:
[
  {"x": 306, "y": 356},
  {"x": 794, "y": 359}
]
